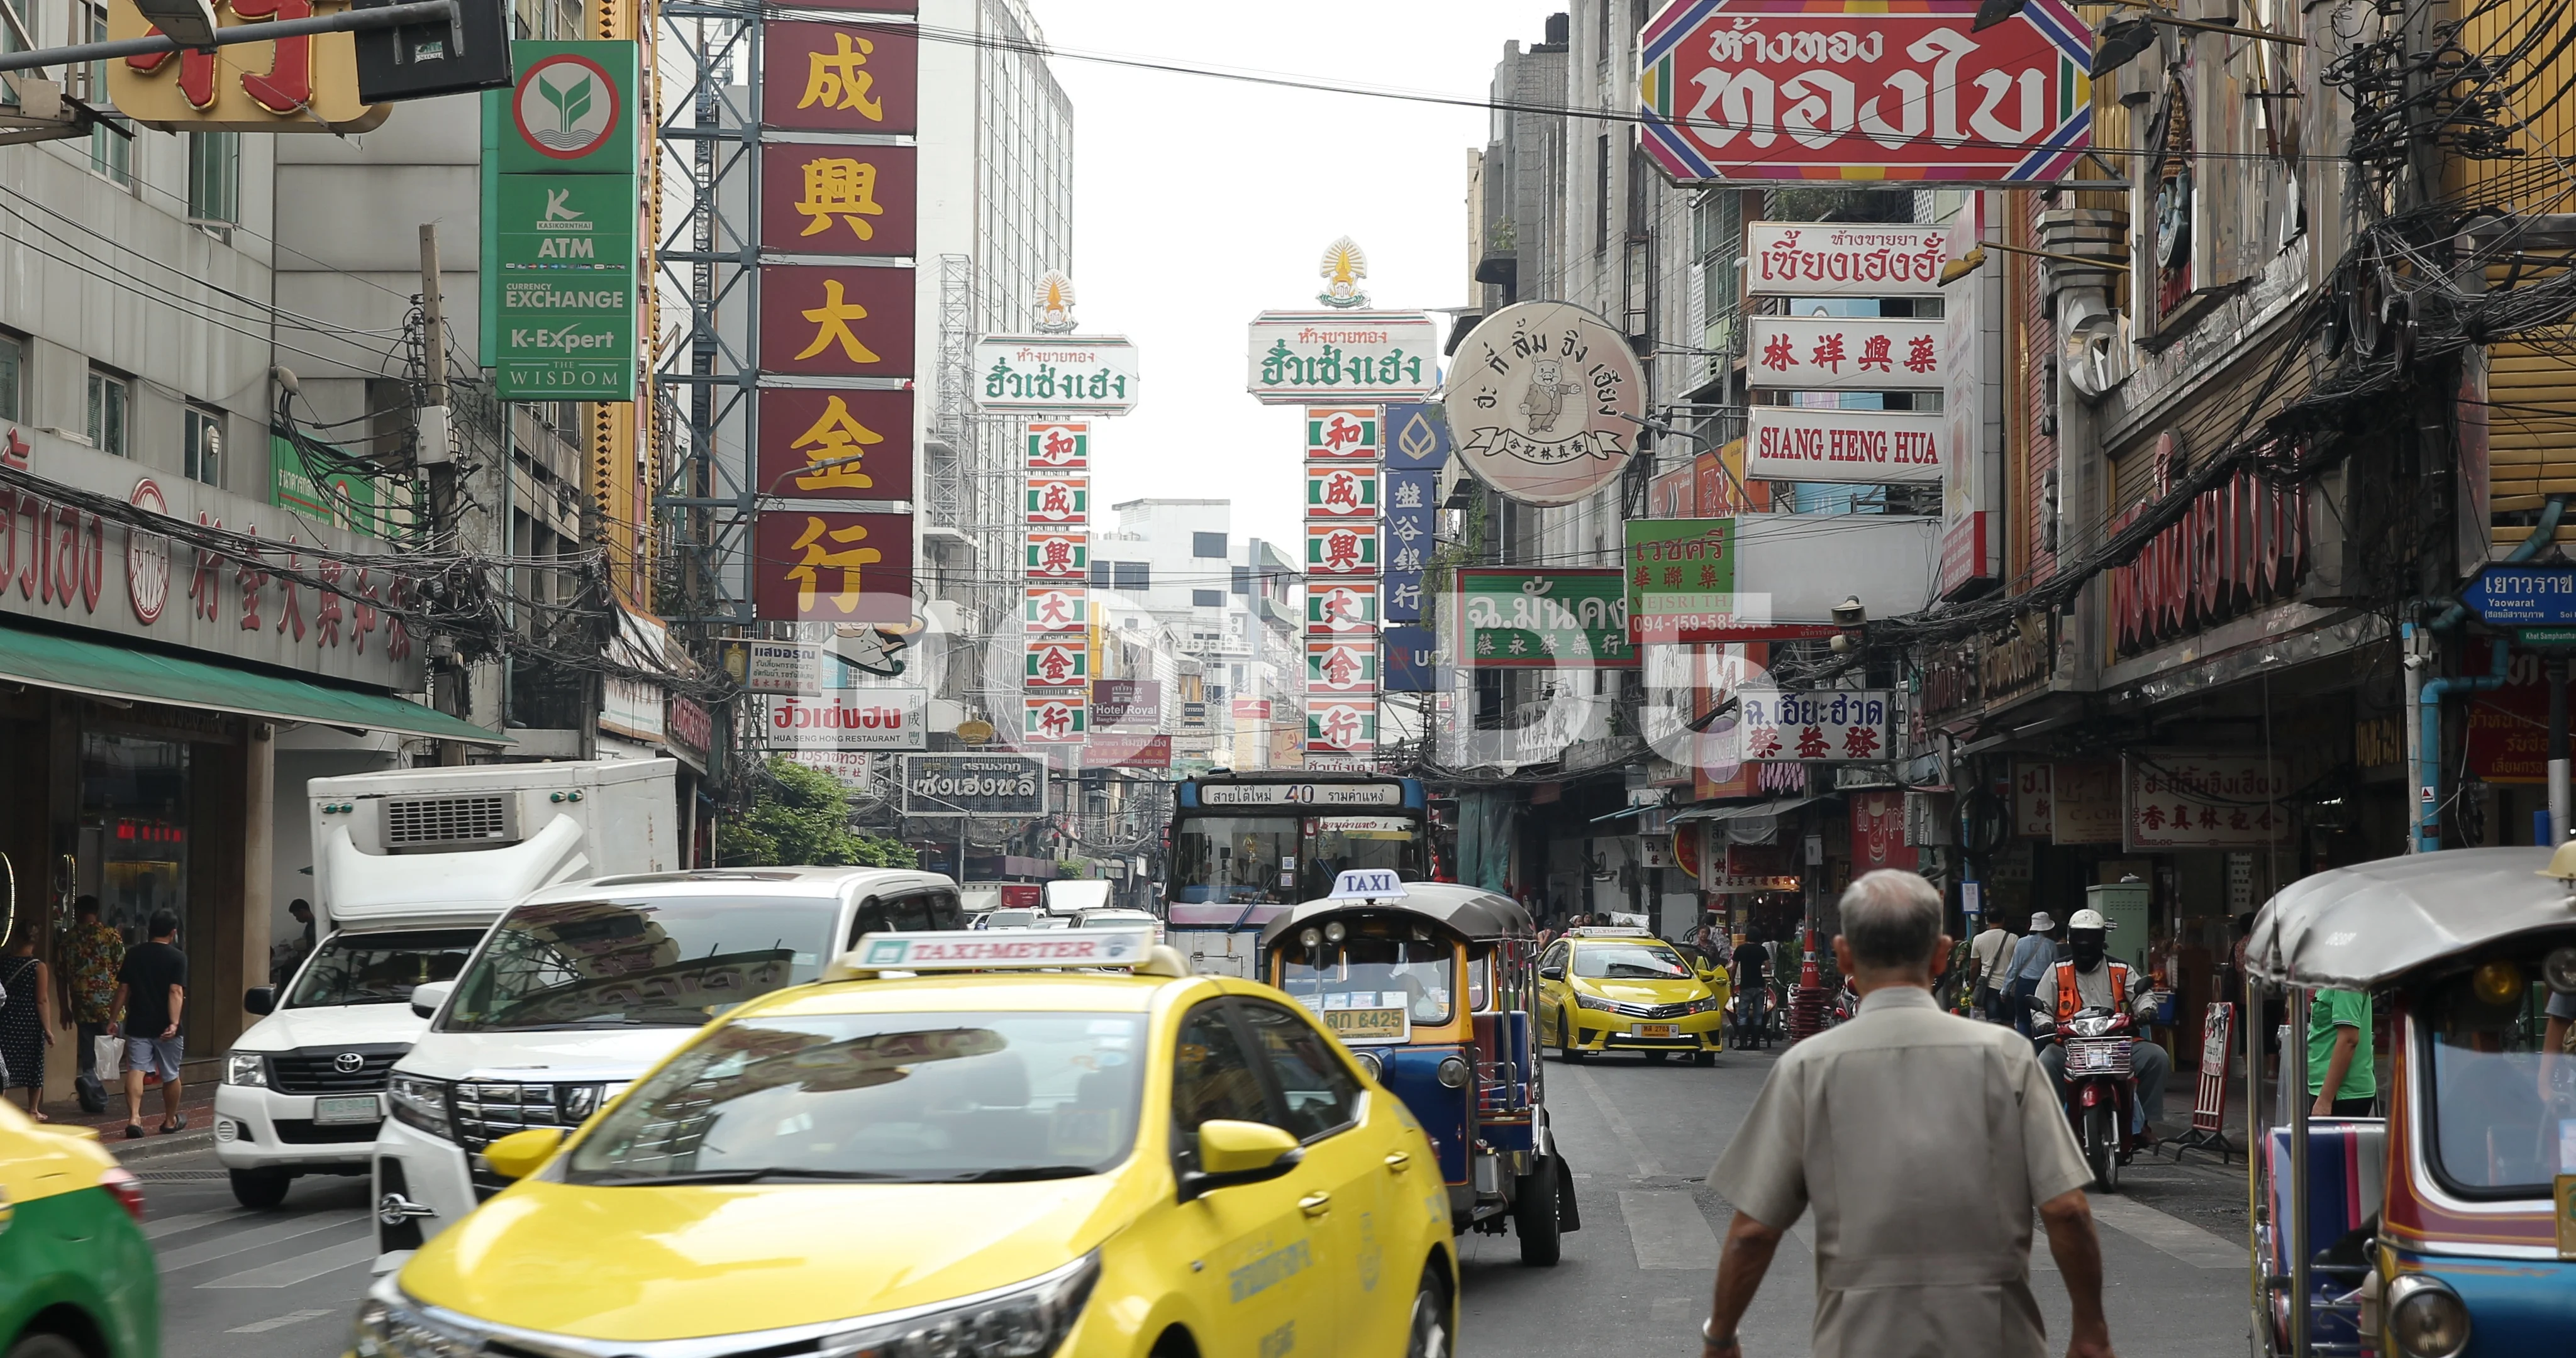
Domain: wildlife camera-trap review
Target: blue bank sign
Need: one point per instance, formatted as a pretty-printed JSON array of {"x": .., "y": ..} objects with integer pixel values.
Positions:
[{"x": 2524, "y": 596}]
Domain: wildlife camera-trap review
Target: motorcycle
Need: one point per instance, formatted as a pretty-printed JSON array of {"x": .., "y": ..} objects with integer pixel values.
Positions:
[{"x": 2100, "y": 1091}]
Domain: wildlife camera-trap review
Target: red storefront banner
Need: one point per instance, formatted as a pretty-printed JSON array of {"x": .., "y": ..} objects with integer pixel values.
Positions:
[
  {"x": 803, "y": 429},
  {"x": 1878, "y": 831},
  {"x": 1808, "y": 89},
  {"x": 822, "y": 77},
  {"x": 832, "y": 567},
  {"x": 834, "y": 199},
  {"x": 2241, "y": 544},
  {"x": 836, "y": 322}
]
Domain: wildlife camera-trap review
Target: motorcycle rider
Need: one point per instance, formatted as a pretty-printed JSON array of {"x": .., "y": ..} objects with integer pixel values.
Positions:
[{"x": 2091, "y": 979}]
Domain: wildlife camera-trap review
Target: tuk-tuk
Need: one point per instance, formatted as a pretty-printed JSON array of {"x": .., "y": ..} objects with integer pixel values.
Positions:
[
  {"x": 1431, "y": 985},
  {"x": 2446, "y": 1228}
]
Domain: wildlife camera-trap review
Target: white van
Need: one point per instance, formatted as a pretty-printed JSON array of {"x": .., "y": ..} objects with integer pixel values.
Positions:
[
  {"x": 410, "y": 867},
  {"x": 581, "y": 988}
]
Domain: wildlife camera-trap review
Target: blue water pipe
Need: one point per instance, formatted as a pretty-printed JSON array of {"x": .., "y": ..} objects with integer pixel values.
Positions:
[{"x": 2428, "y": 745}]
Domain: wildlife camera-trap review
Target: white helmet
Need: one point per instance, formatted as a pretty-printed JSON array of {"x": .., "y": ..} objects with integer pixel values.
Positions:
[{"x": 2089, "y": 919}]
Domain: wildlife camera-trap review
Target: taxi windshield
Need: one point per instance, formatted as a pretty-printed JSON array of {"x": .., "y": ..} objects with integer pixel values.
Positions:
[
  {"x": 675, "y": 961},
  {"x": 920, "y": 1098},
  {"x": 1629, "y": 962},
  {"x": 380, "y": 968},
  {"x": 1375, "y": 973},
  {"x": 2503, "y": 1110}
]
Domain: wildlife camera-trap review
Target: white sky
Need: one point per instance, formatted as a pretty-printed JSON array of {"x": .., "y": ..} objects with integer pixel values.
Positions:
[{"x": 1199, "y": 202}]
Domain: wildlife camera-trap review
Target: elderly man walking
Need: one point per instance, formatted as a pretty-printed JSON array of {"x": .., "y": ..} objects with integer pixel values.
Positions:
[{"x": 1923, "y": 1142}]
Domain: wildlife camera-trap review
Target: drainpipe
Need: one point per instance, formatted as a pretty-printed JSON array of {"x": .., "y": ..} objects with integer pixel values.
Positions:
[{"x": 2428, "y": 742}]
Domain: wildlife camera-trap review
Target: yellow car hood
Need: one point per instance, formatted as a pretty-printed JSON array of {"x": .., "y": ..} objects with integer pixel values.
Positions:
[
  {"x": 637, "y": 1264},
  {"x": 1675, "y": 991}
]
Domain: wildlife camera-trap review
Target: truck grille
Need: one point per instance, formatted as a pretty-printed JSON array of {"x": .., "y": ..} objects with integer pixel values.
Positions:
[
  {"x": 328, "y": 1070},
  {"x": 417, "y": 822},
  {"x": 487, "y": 1110}
]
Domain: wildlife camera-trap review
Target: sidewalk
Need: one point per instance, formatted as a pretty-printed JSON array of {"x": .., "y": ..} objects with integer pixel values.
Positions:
[{"x": 196, "y": 1103}]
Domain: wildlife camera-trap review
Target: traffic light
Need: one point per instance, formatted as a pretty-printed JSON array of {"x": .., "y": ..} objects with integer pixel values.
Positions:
[{"x": 440, "y": 56}]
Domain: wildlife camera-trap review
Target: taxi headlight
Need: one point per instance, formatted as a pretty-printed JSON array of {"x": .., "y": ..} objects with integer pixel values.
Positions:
[
  {"x": 420, "y": 1103},
  {"x": 246, "y": 1068},
  {"x": 1584, "y": 1001},
  {"x": 388, "y": 1326},
  {"x": 1706, "y": 1006},
  {"x": 1026, "y": 1321},
  {"x": 2426, "y": 1318}
]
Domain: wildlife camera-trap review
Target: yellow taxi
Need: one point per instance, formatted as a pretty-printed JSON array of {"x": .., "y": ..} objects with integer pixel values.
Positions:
[
  {"x": 76, "y": 1277},
  {"x": 959, "y": 1144},
  {"x": 1603, "y": 989}
]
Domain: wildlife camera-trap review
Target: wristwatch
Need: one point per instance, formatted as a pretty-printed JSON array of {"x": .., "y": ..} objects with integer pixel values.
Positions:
[{"x": 1713, "y": 1339}]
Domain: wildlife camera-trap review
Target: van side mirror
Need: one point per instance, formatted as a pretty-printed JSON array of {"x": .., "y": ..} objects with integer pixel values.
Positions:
[
  {"x": 260, "y": 1000},
  {"x": 1232, "y": 1154},
  {"x": 427, "y": 997},
  {"x": 1551, "y": 973}
]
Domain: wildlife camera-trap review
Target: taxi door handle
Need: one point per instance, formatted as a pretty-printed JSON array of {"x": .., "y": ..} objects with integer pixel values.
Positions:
[
  {"x": 1315, "y": 1204},
  {"x": 1399, "y": 1162}
]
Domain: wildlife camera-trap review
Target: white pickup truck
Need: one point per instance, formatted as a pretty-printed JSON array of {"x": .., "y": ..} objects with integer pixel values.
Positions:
[{"x": 410, "y": 869}]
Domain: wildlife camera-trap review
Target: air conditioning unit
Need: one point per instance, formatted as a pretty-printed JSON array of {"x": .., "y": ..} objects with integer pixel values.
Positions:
[{"x": 478, "y": 820}]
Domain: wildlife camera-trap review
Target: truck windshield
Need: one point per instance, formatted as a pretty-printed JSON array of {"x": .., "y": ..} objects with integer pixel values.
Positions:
[
  {"x": 380, "y": 968},
  {"x": 969, "y": 1097},
  {"x": 638, "y": 963}
]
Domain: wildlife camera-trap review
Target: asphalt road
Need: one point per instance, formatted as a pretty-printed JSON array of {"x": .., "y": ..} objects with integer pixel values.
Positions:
[{"x": 1635, "y": 1280}]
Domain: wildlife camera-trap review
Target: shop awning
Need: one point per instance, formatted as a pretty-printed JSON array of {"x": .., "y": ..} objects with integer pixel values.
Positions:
[
  {"x": 1773, "y": 807},
  {"x": 119, "y": 674}
]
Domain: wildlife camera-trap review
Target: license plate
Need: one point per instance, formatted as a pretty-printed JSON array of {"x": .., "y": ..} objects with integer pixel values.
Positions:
[
  {"x": 1653, "y": 1030},
  {"x": 342, "y": 1109}
]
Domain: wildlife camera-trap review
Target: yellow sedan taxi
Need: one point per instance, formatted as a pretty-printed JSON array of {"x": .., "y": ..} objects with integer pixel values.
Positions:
[
  {"x": 1603, "y": 989},
  {"x": 997, "y": 1144}
]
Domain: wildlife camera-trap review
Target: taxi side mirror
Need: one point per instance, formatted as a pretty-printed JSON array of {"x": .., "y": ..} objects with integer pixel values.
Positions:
[
  {"x": 1231, "y": 1154},
  {"x": 1551, "y": 973},
  {"x": 519, "y": 1154}
]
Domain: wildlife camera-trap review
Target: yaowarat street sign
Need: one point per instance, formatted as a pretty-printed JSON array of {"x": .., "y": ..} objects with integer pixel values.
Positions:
[
  {"x": 307, "y": 84},
  {"x": 1864, "y": 90},
  {"x": 1804, "y": 443},
  {"x": 1320, "y": 357},
  {"x": 1544, "y": 402},
  {"x": 1056, "y": 374}
]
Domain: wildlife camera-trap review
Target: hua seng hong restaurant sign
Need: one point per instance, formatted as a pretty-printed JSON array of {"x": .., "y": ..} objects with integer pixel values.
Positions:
[{"x": 69, "y": 565}]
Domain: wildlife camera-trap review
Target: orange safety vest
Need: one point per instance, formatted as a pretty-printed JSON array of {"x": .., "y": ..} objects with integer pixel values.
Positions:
[{"x": 2067, "y": 1003}]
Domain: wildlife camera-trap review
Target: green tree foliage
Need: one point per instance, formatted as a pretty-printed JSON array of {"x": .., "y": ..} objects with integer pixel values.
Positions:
[{"x": 802, "y": 817}]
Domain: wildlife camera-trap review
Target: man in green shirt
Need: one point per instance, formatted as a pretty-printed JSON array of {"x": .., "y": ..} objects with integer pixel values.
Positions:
[{"x": 2339, "y": 1055}]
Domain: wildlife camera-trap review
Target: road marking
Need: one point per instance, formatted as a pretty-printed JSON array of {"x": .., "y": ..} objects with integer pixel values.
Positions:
[
  {"x": 238, "y": 1241},
  {"x": 2167, "y": 1233},
  {"x": 301, "y": 1268},
  {"x": 277, "y": 1322},
  {"x": 154, "y": 1230},
  {"x": 1668, "y": 1230},
  {"x": 1647, "y": 1166}
]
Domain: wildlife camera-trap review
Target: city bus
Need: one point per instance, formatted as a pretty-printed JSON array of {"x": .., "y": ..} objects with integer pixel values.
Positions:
[{"x": 1243, "y": 847}]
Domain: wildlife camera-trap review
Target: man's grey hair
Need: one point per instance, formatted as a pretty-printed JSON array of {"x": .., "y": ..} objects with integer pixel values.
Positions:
[{"x": 1892, "y": 919}]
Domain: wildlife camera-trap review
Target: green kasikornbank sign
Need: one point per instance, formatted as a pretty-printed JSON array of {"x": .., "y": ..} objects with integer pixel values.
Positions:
[{"x": 560, "y": 208}]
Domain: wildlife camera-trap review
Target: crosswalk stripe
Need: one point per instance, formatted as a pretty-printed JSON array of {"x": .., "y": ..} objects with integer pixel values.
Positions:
[
  {"x": 2167, "y": 1233},
  {"x": 301, "y": 1268},
  {"x": 228, "y": 1245},
  {"x": 1668, "y": 1230},
  {"x": 157, "y": 1228}
]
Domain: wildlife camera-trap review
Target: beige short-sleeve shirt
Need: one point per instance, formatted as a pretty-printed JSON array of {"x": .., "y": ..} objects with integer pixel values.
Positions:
[{"x": 1923, "y": 1141}]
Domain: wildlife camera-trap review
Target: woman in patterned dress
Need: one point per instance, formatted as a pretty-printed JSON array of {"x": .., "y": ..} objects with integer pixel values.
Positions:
[{"x": 26, "y": 1021}]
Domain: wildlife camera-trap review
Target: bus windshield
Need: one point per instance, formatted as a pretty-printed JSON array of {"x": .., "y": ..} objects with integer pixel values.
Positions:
[{"x": 1280, "y": 860}]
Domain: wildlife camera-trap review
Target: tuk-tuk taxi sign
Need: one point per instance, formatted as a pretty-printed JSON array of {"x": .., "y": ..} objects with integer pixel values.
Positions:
[
  {"x": 1367, "y": 884},
  {"x": 999, "y": 949}
]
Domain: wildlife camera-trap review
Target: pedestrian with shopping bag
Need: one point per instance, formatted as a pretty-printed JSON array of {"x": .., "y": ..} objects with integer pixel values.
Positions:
[
  {"x": 92, "y": 956},
  {"x": 1922, "y": 1142}
]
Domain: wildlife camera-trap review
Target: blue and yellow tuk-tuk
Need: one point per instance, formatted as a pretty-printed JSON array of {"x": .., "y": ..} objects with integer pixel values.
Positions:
[
  {"x": 1432, "y": 986},
  {"x": 2447, "y": 1227}
]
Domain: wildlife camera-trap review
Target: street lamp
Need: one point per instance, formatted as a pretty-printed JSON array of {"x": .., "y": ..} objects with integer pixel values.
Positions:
[{"x": 808, "y": 470}]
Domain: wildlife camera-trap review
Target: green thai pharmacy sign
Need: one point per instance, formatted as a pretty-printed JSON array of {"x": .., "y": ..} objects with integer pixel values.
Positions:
[{"x": 559, "y": 211}]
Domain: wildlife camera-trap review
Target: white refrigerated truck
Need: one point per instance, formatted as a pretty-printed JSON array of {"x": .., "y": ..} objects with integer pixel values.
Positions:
[{"x": 410, "y": 868}]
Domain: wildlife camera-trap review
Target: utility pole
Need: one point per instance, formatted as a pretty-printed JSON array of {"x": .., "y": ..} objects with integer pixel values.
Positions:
[{"x": 434, "y": 449}]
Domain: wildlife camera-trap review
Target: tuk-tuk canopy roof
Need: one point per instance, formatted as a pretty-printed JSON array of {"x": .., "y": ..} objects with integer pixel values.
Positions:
[
  {"x": 1468, "y": 910},
  {"x": 2357, "y": 928}
]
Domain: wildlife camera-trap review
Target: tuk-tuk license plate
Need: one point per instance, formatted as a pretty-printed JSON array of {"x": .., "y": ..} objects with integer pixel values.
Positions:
[
  {"x": 343, "y": 1109},
  {"x": 1654, "y": 1030}
]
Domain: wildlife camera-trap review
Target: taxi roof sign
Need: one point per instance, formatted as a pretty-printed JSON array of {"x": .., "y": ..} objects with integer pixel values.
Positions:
[
  {"x": 996, "y": 950},
  {"x": 1368, "y": 884},
  {"x": 1609, "y": 931}
]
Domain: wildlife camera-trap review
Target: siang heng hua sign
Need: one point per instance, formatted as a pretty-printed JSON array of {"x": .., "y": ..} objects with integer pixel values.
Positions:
[{"x": 70, "y": 565}]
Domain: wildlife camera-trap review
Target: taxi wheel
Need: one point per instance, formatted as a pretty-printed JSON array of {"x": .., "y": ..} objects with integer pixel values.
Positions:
[
  {"x": 45, "y": 1346},
  {"x": 1565, "y": 1048},
  {"x": 1703, "y": 1058},
  {"x": 1657, "y": 1058},
  {"x": 1428, "y": 1334}
]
